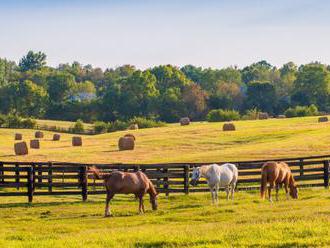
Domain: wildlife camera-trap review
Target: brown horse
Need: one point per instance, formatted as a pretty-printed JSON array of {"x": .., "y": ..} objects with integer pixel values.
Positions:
[
  {"x": 118, "y": 182},
  {"x": 277, "y": 174}
]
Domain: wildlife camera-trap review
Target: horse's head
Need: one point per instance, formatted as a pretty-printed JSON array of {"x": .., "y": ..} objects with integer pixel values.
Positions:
[
  {"x": 195, "y": 176},
  {"x": 153, "y": 201},
  {"x": 294, "y": 192}
]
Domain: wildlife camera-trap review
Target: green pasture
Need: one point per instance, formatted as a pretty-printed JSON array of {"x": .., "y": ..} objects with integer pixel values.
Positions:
[{"x": 181, "y": 221}]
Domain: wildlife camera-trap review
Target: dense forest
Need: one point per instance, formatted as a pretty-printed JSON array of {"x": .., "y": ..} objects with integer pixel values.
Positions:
[{"x": 166, "y": 92}]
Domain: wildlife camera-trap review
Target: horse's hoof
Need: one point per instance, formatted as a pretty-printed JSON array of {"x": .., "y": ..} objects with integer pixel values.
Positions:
[{"x": 108, "y": 215}]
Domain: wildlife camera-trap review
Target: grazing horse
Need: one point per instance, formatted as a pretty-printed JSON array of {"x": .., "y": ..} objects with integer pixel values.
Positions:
[
  {"x": 118, "y": 182},
  {"x": 276, "y": 174},
  {"x": 217, "y": 176}
]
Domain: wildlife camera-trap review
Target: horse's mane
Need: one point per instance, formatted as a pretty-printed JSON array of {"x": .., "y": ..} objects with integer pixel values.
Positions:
[
  {"x": 97, "y": 173},
  {"x": 152, "y": 189}
]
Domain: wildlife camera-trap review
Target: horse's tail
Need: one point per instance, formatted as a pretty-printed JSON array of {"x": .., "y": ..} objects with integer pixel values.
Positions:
[
  {"x": 96, "y": 172},
  {"x": 263, "y": 186}
]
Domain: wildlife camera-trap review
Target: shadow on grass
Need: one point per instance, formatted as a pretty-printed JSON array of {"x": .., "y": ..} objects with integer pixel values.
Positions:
[{"x": 161, "y": 244}]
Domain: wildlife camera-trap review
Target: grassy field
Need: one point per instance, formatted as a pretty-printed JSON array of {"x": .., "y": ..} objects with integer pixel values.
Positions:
[
  {"x": 199, "y": 142},
  {"x": 181, "y": 221}
]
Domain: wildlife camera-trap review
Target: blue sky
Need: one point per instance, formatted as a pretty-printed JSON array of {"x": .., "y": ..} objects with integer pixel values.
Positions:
[{"x": 146, "y": 33}]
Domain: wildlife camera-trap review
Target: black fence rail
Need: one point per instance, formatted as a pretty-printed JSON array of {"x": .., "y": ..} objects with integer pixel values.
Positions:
[{"x": 58, "y": 178}]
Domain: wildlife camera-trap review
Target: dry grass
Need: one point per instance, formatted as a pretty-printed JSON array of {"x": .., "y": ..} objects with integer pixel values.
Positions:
[{"x": 198, "y": 142}]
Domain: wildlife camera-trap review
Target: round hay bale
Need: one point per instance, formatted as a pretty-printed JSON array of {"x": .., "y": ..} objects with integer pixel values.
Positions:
[
  {"x": 130, "y": 135},
  {"x": 263, "y": 116},
  {"x": 281, "y": 117},
  {"x": 21, "y": 148},
  {"x": 126, "y": 143},
  {"x": 56, "y": 137},
  {"x": 18, "y": 136},
  {"x": 34, "y": 144},
  {"x": 76, "y": 141},
  {"x": 133, "y": 127},
  {"x": 323, "y": 119},
  {"x": 39, "y": 135},
  {"x": 184, "y": 121},
  {"x": 228, "y": 127}
]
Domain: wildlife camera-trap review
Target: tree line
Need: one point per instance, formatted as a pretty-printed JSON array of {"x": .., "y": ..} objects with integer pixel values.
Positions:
[{"x": 166, "y": 92}]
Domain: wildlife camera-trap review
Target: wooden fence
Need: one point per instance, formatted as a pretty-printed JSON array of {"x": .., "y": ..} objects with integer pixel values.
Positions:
[{"x": 54, "y": 178}]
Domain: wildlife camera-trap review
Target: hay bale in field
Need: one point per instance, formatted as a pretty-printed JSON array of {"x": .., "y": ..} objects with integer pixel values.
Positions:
[
  {"x": 18, "y": 136},
  {"x": 281, "y": 117},
  {"x": 34, "y": 144},
  {"x": 56, "y": 137},
  {"x": 76, "y": 141},
  {"x": 228, "y": 127},
  {"x": 133, "y": 127},
  {"x": 39, "y": 135},
  {"x": 184, "y": 121},
  {"x": 21, "y": 148},
  {"x": 323, "y": 119},
  {"x": 263, "y": 116},
  {"x": 126, "y": 143},
  {"x": 130, "y": 135}
]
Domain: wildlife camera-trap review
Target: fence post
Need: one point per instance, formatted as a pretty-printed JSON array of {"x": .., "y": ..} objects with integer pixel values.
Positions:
[
  {"x": 165, "y": 180},
  {"x": 40, "y": 173},
  {"x": 33, "y": 166},
  {"x": 83, "y": 182},
  {"x": 158, "y": 181},
  {"x": 17, "y": 175},
  {"x": 186, "y": 179},
  {"x": 301, "y": 167},
  {"x": 2, "y": 173},
  {"x": 30, "y": 184},
  {"x": 50, "y": 176},
  {"x": 326, "y": 173}
]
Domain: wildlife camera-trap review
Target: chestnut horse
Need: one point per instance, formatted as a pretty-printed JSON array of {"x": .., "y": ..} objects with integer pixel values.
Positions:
[
  {"x": 118, "y": 182},
  {"x": 277, "y": 174}
]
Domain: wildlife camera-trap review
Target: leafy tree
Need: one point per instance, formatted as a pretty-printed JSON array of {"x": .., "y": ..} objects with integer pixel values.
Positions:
[
  {"x": 24, "y": 98},
  {"x": 131, "y": 96},
  {"x": 194, "y": 73},
  {"x": 226, "y": 96},
  {"x": 260, "y": 71},
  {"x": 32, "y": 61},
  {"x": 194, "y": 99},
  {"x": 261, "y": 95},
  {"x": 312, "y": 86},
  {"x": 60, "y": 86}
]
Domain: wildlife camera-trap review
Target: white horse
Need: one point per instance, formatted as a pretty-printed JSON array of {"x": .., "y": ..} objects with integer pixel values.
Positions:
[{"x": 217, "y": 176}]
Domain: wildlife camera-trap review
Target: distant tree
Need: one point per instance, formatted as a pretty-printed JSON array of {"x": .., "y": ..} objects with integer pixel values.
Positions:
[
  {"x": 312, "y": 86},
  {"x": 194, "y": 73},
  {"x": 32, "y": 61},
  {"x": 259, "y": 71},
  {"x": 23, "y": 98},
  {"x": 194, "y": 99},
  {"x": 130, "y": 96},
  {"x": 170, "y": 82},
  {"x": 226, "y": 96},
  {"x": 60, "y": 86},
  {"x": 261, "y": 95}
]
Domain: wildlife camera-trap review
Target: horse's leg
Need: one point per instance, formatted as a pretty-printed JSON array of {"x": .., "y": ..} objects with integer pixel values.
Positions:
[
  {"x": 216, "y": 193},
  {"x": 141, "y": 208},
  {"x": 233, "y": 185},
  {"x": 227, "y": 192},
  {"x": 212, "y": 194},
  {"x": 271, "y": 186},
  {"x": 107, "y": 204},
  {"x": 277, "y": 188},
  {"x": 142, "y": 204},
  {"x": 286, "y": 188}
]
